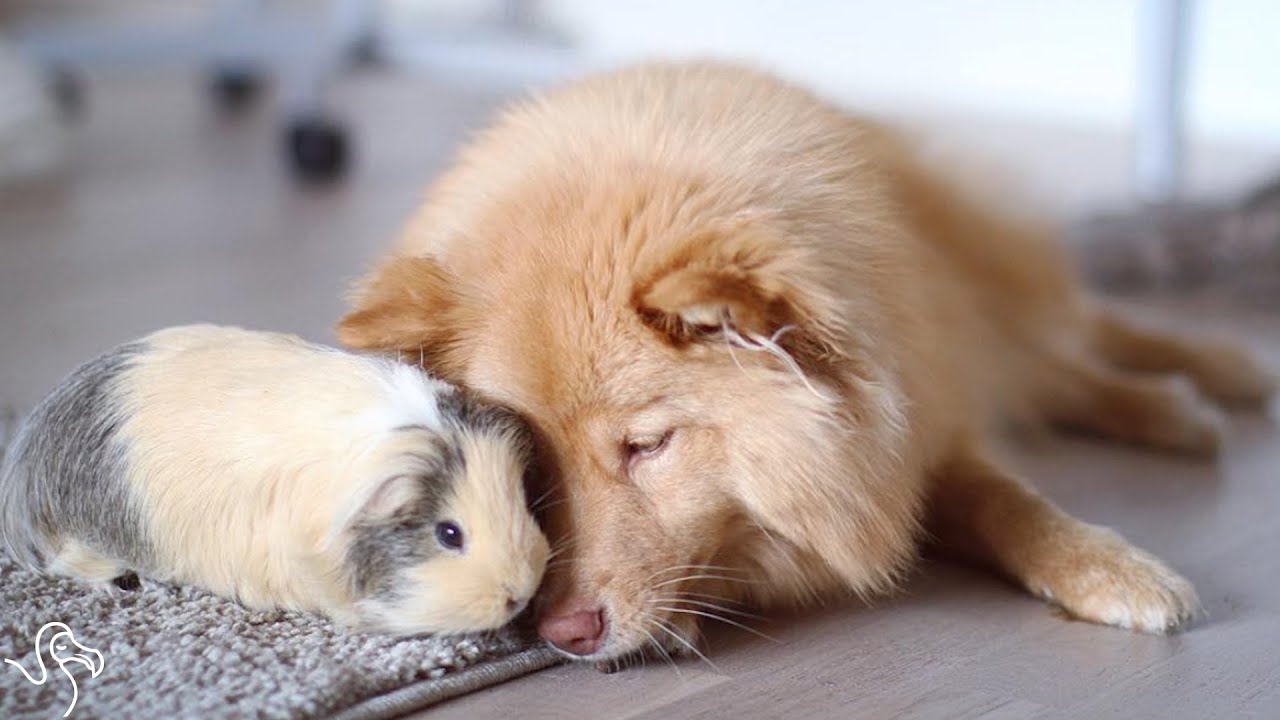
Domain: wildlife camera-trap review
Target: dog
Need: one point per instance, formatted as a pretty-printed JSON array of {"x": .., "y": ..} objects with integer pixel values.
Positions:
[{"x": 768, "y": 350}]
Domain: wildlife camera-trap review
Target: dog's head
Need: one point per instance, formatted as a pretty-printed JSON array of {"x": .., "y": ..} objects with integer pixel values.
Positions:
[{"x": 688, "y": 373}]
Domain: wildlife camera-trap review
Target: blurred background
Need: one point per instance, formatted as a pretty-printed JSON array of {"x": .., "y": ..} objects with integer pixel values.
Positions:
[{"x": 238, "y": 161}]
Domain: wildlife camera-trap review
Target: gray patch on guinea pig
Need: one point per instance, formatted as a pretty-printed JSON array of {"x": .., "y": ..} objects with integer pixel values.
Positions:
[
  {"x": 65, "y": 474},
  {"x": 468, "y": 414},
  {"x": 465, "y": 412},
  {"x": 380, "y": 548}
]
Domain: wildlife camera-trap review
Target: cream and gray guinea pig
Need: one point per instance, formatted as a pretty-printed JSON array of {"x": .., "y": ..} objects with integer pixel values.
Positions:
[{"x": 282, "y": 474}]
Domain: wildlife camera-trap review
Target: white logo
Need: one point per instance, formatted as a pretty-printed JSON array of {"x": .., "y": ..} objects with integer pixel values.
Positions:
[{"x": 59, "y": 642}]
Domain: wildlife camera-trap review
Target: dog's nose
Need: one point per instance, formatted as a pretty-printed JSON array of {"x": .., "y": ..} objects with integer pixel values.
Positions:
[{"x": 576, "y": 627}]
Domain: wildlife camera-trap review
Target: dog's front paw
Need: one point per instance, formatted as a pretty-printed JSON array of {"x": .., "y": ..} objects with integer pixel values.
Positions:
[{"x": 1102, "y": 578}]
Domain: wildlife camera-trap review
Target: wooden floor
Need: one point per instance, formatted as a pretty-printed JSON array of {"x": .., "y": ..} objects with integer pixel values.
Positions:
[{"x": 169, "y": 214}]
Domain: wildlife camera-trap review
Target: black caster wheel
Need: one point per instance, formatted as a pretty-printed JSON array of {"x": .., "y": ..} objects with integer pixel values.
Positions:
[
  {"x": 318, "y": 149},
  {"x": 364, "y": 53},
  {"x": 235, "y": 90},
  {"x": 68, "y": 92}
]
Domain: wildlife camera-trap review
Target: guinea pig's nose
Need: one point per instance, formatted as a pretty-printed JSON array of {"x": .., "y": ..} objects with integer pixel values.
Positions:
[
  {"x": 576, "y": 626},
  {"x": 516, "y": 604}
]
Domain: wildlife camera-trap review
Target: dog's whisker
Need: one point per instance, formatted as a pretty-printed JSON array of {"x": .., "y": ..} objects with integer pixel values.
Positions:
[
  {"x": 548, "y": 505},
  {"x": 706, "y": 576},
  {"x": 663, "y": 626},
  {"x": 698, "y": 567},
  {"x": 665, "y": 570},
  {"x": 563, "y": 542},
  {"x": 677, "y": 601},
  {"x": 710, "y": 606},
  {"x": 543, "y": 496},
  {"x": 662, "y": 651},
  {"x": 726, "y": 620},
  {"x": 708, "y": 596}
]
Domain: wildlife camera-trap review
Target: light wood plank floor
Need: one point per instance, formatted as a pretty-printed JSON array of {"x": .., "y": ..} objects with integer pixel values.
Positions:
[{"x": 169, "y": 214}]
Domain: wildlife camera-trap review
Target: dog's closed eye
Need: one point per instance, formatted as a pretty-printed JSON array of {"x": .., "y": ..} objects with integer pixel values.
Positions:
[{"x": 646, "y": 446}]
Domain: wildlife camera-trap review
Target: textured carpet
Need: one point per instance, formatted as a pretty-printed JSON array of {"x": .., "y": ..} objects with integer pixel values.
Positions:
[{"x": 178, "y": 652}]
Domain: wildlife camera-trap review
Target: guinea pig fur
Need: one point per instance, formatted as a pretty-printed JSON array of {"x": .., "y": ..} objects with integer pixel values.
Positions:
[{"x": 282, "y": 474}]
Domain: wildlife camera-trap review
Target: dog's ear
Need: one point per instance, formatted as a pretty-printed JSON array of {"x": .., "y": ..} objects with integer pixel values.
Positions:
[
  {"x": 694, "y": 300},
  {"x": 743, "y": 281},
  {"x": 403, "y": 305}
]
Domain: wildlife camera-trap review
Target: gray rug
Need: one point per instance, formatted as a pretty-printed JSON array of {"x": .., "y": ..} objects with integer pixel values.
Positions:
[{"x": 178, "y": 652}]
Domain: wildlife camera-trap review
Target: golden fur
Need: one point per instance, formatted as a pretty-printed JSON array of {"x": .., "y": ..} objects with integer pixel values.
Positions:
[{"x": 766, "y": 347}]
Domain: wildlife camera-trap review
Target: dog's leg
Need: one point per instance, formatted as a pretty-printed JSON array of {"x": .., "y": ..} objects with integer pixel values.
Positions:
[
  {"x": 1165, "y": 413},
  {"x": 1226, "y": 373},
  {"x": 984, "y": 514}
]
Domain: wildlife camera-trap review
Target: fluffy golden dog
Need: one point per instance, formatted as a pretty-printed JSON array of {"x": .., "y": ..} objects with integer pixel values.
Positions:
[{"x": 766, "y": 349}]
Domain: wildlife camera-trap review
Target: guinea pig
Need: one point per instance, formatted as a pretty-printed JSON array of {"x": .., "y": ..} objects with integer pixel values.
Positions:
[{"x": 281, "y": 474}]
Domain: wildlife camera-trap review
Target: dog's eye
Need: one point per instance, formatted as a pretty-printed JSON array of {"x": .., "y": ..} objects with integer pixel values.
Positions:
[{"x": 647, "y": 445}]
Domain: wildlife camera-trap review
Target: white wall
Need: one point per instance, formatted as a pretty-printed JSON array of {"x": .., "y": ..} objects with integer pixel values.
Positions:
[{"x": 1068, "y": 62}]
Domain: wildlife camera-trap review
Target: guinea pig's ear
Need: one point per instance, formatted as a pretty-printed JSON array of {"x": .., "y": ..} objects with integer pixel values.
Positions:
[
  {"x": 394, "y": 498},
  {"x": 406, "y": 305}
]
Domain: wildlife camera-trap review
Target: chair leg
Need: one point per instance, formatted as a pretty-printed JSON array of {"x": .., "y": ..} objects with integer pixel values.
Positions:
[{"x": 1159, "y": 118}]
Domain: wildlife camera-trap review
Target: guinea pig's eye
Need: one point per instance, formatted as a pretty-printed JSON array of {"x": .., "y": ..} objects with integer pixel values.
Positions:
[
  {"x": 646, "y": 446},
  {"x": 449, "y": 535}
]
